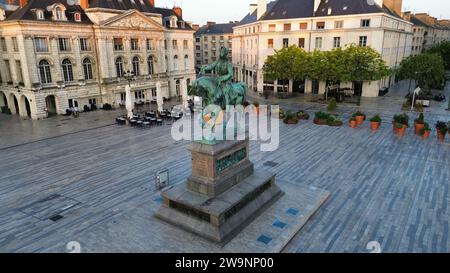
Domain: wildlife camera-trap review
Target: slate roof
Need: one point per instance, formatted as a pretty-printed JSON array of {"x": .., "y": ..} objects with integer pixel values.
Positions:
[
  {"x": 27, "y": 13},
  {"x": 216, "y": 29},
  {"x": 288, "y": 9},
  {"x": 417, "y": 21}
]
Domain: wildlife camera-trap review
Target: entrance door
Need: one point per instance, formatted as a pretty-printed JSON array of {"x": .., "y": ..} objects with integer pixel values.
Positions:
[
  {"x": 357, "y": 88},
  {"x": 298, "y": 87},
  {"x": 16, "y": 105},
  {"x": 315, "y": 87},
  {"x": 50, "y": 102}
]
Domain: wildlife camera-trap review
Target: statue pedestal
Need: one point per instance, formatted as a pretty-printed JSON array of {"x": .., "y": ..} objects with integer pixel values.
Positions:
[{"x": 223, "y": 194}]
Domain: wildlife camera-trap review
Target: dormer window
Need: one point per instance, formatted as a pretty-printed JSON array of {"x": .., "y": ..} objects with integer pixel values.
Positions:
[
  {"x": 40, "y": 14},
  {"x": 173, "y": 22},
  {"x": 77, "y": 17},
  {"x": 58, "y": 14},
  {"x": 2, "y": 14}
]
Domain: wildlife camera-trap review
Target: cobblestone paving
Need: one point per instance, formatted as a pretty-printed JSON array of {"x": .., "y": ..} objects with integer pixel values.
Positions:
[{"x": 383, "y": 188}]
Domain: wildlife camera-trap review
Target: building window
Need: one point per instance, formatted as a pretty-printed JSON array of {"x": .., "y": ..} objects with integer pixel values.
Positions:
[
  {"x": 41, "y": 44},
  {"x": 119, "y": 67},
  {"x": 139, "y": 95},
  {"x": 67, "y": 70},
  {"x": 150, "y": 63},
  {"x": 336, "y": 42},
  {"x": 174, "y": 44},
  {"x": 136, "y": 70},
  {"x": 77, "y": 17},
  {"x": 320, "y": 25},
  {"x": 39, "y": 15},
  {"x": 285, "y": 42},
  {"x": 338, "y": 24},
  {"x": 8, "y": 72},
  {"x": 44, "y": 72},
  {"x": 365, "y": 23},
  {"x": 58, "y": 14},
  {"x": 118, "y": 44},
  {"x": 185, "y": 44},
  {"x": 186, "y": 62},
  {"x": 318, "y": 44},
  {"x": 363, "y": 41},
  {"x": 303, "y": 25},
  {"x": 150, "y": 44},
  {"x": 3, "y": 41},
  {"x": 167, "y": 63},
  {"x": 175, "y": 62},
  {"x": 64, "y": 44},
  {"x": 272, "y": 27},
  {"x": 177, "y": 88},
  {"x": 134, "y": 44},
  {"x": 15, "y": 44},
  {"x": 197, "y": 40},
  {"x": 301, "y": 42},
  {"x": 84, "y": 44},
  {"x": 19, "y": 74},
  {"x": 287, "y": 27},
  {"x": 270, "y": 43},
  {"x": 87, "y": 69}
]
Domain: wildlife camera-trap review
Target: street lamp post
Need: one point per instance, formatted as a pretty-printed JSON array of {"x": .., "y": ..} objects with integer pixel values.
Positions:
[{"x": 129, "y": 76}]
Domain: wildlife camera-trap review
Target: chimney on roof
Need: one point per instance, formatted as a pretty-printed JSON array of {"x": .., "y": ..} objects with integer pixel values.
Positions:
[
  {"x": 84, "y": 4},
  {"x": 253, "y": 7},
  {"x": 394, "y": 5},
  {"x": 152, "y": 2},
  {"x": 209, "y": 23},
  {"x": 262, "y": 8},
  {"x": 22, "y": 3},
  {"x": 178, "y": 11}
]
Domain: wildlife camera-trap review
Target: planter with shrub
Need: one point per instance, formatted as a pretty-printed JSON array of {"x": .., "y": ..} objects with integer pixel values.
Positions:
[
  {"x": 425, "y": 132},
  {"x": 334, "y": 121},
  {"x": 442, "y": 129},
  {"x": 360, "y": 117},
  {"x": 290, "y": 118},
  {"x": 419, "y": 123},
  {"x": 321, "y": 118},
  {"x": 302, "y": 115},
  {"x": 400, "y": 124},
  {"x": 375, "y": 122}
]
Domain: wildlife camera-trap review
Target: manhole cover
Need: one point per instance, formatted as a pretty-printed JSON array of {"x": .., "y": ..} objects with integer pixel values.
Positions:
[
  {"x": 56, "y": 218},
  {"x": 49, "y": 207},
  {"x": 270, "y": 164}
]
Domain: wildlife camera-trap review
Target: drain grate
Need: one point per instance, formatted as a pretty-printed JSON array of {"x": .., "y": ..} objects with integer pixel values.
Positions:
[
  {"x": 270, "y": 164},
  {"x": 49, "y": 207}
]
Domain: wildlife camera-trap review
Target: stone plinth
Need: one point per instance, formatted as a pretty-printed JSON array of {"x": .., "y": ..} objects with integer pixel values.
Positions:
[{"x": 223, "y": 194}]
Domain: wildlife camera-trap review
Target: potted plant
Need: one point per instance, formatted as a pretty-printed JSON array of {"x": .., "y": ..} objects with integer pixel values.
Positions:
[
  {"x": 400, "y": 123},
  {"x": 302, "y": 115},
  {"x": 332, "y": 105},
  {"x": 419, "y": 123},
  {"x": 425, "y": 132},
  {"x": 334, "y": 121},
  {"x": 279, "y": 113},
  {"x": 375, "y": 122},
  {"x": 352, "y": 122},
  {"x": 321, "y": 118},
  {"x": 441, "y": 128},
  {"x": 360, "y": 117},
  {"x": 290, "y": 118}
]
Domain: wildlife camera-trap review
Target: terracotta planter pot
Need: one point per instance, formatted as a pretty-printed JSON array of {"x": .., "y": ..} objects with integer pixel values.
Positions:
[
  {"x": 418, "y": 127},
  {"x": 320, "y": 121},
  {"x": 401, "y": 132},
  {"x": 394, "y": 128},
  {"x": 291, "y": 121},
  {"x": 374, "y": 125},
  {"x": 426, "y": 135},
  {"x": 352, "y": 123},
  {"x": 440, "y": 136},
  {"x": 359, "y": 120}
]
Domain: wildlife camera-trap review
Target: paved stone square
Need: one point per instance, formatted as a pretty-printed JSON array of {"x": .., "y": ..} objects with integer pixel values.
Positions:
[{"x": 383, "y": 188}]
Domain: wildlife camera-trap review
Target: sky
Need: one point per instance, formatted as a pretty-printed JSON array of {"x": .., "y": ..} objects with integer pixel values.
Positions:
[{"x": 223, "y": 11}]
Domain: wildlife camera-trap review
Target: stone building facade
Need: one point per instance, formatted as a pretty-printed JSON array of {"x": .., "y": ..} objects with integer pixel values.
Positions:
[
  {"x": 208, "y": 41},
  {"x": 61, "y": 54},
  {"x": 319, "y": 25}
]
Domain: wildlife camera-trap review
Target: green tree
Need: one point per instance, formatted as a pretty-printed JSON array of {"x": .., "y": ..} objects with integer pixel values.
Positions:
[
  {"x": 289, "y": 63},
  {"x": 363, "y": 64},
  {"x": 442, "y": 49},
  {"x": 427, "y": 69}
]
